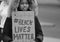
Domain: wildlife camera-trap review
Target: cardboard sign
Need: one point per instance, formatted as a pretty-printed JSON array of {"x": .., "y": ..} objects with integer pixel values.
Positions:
[{"x": 23, "y": 26}]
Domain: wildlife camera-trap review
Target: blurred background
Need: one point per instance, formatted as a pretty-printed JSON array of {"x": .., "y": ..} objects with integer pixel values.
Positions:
[{"x": 49, "y": 17}]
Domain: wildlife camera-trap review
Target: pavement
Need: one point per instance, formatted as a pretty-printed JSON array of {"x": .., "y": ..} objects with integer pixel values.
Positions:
[
  {"x": 50, "y": 39},
  {"x": 50, "y": 15}
]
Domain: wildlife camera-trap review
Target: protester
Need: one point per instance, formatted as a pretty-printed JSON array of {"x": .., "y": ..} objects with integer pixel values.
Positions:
[
  {"x": 31, "y": 5},
  {"x": 23, "y": 5},
  {"x": 7, "y": 21}
]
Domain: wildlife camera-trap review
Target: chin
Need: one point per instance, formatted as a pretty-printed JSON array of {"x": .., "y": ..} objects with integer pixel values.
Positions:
[{"x": 25, "y": 9}]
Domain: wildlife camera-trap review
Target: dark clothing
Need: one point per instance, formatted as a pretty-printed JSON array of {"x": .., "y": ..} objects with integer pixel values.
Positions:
[
  {"x": 38, "y": 30},
  {"x": 6, "y": 35},
  {"x": 8, "y": 29},
  {"x": 21, "y": 9},
  {"x": 1, "y": 35}
]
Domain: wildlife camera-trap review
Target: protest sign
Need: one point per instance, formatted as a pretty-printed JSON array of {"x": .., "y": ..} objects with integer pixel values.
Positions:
[{"x": 23, "y": 26}]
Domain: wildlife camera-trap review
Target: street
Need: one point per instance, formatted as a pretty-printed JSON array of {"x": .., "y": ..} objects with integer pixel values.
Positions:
[{"x": 50, "y": 15}]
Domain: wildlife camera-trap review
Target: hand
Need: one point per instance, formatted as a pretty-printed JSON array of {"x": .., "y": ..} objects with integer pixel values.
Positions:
[
  {"x": 34, "y": 5},
  {"x": 7, "y": 38},
  {"x": 40, "y": 37}
]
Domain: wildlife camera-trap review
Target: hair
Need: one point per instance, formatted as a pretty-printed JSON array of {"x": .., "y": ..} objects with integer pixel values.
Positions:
[
  {"x": 29, "y": 2},
  {"x": 0, "y": 2}
]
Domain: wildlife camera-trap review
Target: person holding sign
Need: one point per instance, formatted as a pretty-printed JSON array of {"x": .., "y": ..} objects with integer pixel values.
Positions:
[
  {"x": 24, "y": 5},
  {"x": 31, "y": 5},
  {"x": 6, "y": 9},
  {"x": 6, "y": 21}
]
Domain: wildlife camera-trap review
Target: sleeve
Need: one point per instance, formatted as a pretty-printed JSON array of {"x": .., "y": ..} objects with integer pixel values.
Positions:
[{"x": 38, "y": 30}]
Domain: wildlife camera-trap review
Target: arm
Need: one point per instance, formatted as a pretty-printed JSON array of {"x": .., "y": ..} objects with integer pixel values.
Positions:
[
  {"x": 15, "y": 4},
  {"x": 38, "y": 29},
  {"x": 12, "y": 6},
  {"x": 35, "y": 7}
]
